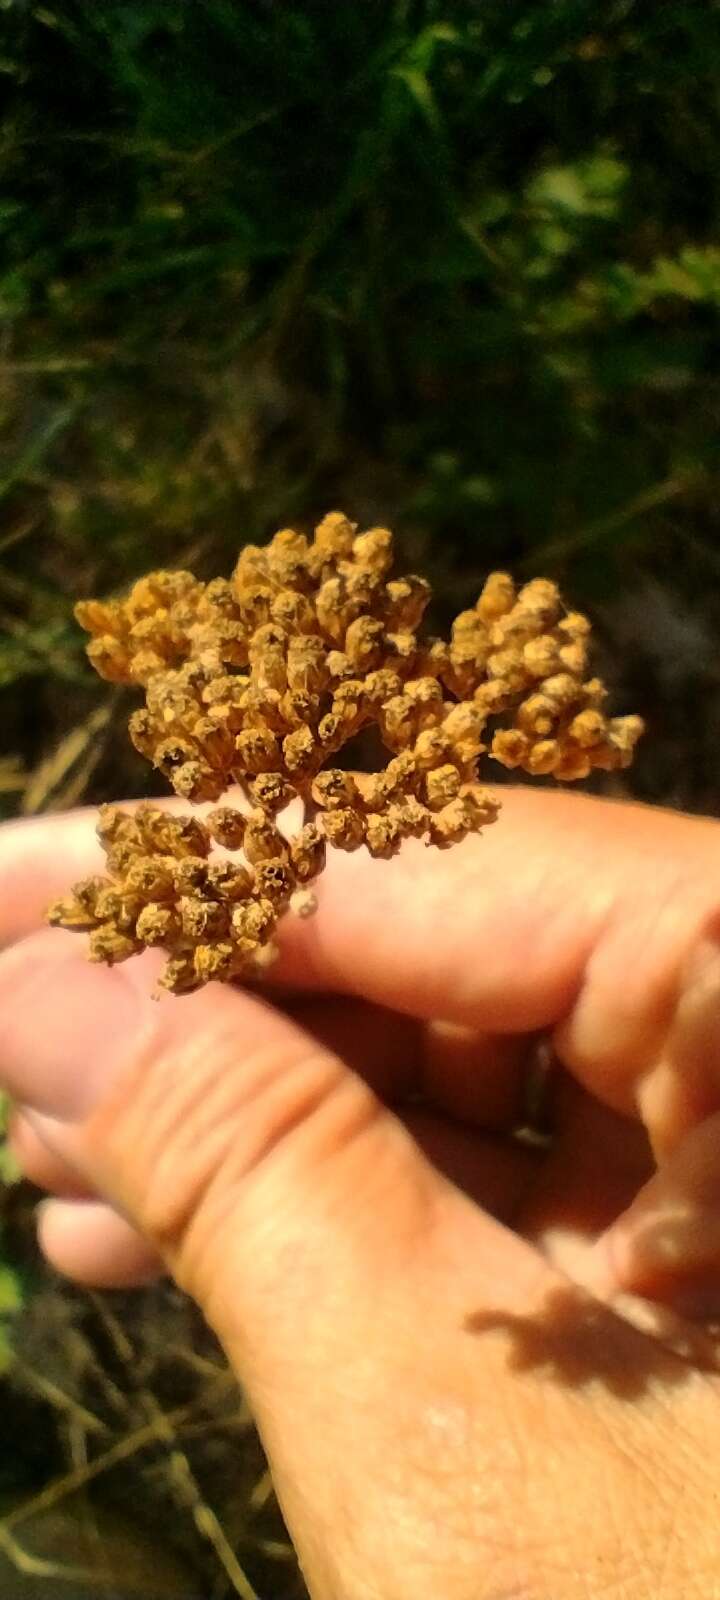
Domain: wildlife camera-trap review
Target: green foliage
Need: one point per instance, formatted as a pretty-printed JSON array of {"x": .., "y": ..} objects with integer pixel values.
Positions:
[{"x": 456, "y": 266}]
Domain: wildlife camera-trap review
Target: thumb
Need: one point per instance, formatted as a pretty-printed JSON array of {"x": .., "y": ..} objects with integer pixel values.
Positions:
[
  {"x": 278, "y": 1189},
  {"x": 215, "y": 1117}
]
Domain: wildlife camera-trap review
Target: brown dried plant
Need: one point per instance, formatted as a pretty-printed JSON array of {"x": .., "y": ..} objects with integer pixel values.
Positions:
[{"x": 261, "y": 679}]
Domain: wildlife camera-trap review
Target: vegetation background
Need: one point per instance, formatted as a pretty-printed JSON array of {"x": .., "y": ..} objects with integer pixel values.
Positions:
[{"x": 451, "y": 265}]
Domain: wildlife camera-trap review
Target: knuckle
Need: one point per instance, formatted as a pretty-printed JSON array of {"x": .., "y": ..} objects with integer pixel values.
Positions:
[{"x": 189, "y": 1129}]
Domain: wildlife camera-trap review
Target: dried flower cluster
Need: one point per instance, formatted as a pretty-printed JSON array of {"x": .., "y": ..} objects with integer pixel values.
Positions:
[{"x": 261, "y": 679}]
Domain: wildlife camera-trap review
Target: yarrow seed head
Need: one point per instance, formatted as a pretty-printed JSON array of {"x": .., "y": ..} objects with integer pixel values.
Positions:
[{"x": 259, "y": 680}]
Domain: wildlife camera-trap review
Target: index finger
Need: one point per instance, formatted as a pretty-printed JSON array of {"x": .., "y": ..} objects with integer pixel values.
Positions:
[{"x": 498, "y": 932}]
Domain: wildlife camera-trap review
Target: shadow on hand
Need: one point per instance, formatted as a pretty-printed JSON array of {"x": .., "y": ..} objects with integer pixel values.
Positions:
[{"x": 577, "y": 1341}]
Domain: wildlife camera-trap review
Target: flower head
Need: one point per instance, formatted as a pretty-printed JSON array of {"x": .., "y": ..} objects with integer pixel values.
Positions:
[{"x": 260, "y": 680}]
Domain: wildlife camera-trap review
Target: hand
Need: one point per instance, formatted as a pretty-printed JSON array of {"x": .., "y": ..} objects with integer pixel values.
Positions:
[{"x": 419, "y": 1307}]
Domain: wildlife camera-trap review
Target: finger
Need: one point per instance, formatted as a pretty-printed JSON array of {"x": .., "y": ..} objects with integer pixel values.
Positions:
[
  {"x": 475, "y": 1077},
  {"x": 471, "y": 1076},
  {"x": 569, "y": 911},
  {"x": 496, "y": 1173},
  {"x": 40, "y": 857},
  {"x": 88, "y": 1241},
  {"x": 384, "y": 1047},
  {"x": 597, "y": 1162},
  {"x": 495, "y": 933},
  {"x": 39, "y": 1162},
  {"x": 666, "y": 1244}
]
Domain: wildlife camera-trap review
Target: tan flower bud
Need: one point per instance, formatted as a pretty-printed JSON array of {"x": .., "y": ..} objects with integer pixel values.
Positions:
[
  {"x": 344, "y": 829},
  {"x": 263, "y": 841},
  {"x": 480, "y": 805},
  {"x": 402, "y": 650},
  {"x": 452, "y": 823},
  {"x": 179, "y": 975},
  {"x": 573, "y": 657},
  {"x": 541, "y": 656},
  {"x": 196, "y": 781},
  {"x": 255, "y": 606},
  {"x": 254, "y": 919},
  {"x": 588, "y": 728},
  {"x": 334, "y": 535},
  {"x": 540, "y": 599},
  {"x": 151, "y": 877},
  {"x": 464, "y": 723},
  {"x": 497, "y": 596},
  {"x": 364, "y": 643},
  {"x": 543, "y": 757},
  {"x": 287, "y": 542},
  {"x": 214, "y": 962},
  {"x": 441, "y": 786},
  {"x": 271, "y": 792},
  {"x": 115, "y": 826},
  {"x": 143, "y": 732},
  {"x": 274, "y": 881},
  {"x": 227, "y": 880},
  {"x": 307, "y": 853},
  {"x": 86, "y": 892},
  {"x": 406, "y": 602},
  {"x": 508, "y": 665},
  {"x": 257, "y": 750},
  {"x": 334, "y": 789},
  {"x": 119, "y": 907},
  {"x": 220, "y": 596},
  {"x": 399, "y": 722},
  {"x": 624, "y": 734},
  {"x": 411, "y": 816},
  {"x": 110, "y": 659},
  {"x": 190, "y": 876},
  {"x": 331, "y": 732},
  {"x": 575, "y": 625},
  {"x": 563, "y": 688},
  {"x": 431, "y": 747},
  {"x": 572, "y": 764},
  {"x": 294, "y": 612},
  {"x": 70, "y": 912},
  {"x": 381, "y": 686},
  {"x": 383, "y": 835},
  {"x": 374, "y": 549},
  {"x": 108, "y": 945},
  {"x": 144, "y": 665},
  {"x": 401, "y": 771},
  {"x": 167, "y": 835},
  {"x": 202, "y": 919},
  {"x": 101, "y": 617},
  {"x": 510, "y": 746},
  {"x": 300, "y": 709},
  {"x": 427, "y": 698},
  {"x": 300, "y": 752},
  {"x": 251, "y": 568},
  {"x": 538, "y": 715},
  {"x": 172, "y": 753},
  {"x": 469, "y": 628},
  {"x": 215, "y": 743},
  {"x": 307, "y": 669},
  {"x": 157, "y": 924}
]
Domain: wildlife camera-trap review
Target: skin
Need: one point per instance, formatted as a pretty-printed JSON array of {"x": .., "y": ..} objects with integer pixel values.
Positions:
[{"x": 480, "y": 1369}]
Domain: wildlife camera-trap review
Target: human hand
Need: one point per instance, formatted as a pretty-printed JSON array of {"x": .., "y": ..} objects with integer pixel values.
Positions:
[{"x": 397, "y": 1281}]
